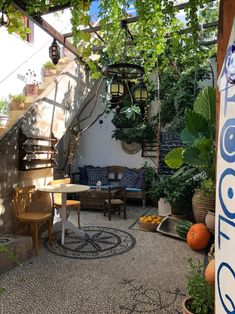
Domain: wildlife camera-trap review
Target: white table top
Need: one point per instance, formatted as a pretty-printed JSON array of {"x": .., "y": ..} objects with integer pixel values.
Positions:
[{"x": 63, "y": 188}]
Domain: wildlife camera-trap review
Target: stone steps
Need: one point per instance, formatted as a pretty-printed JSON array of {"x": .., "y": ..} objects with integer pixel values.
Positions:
[{"x": 15, "y": 115}]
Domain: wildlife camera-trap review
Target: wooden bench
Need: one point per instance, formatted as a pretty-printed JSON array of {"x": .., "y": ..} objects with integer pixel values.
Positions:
[{"x": 95, "y": 198}]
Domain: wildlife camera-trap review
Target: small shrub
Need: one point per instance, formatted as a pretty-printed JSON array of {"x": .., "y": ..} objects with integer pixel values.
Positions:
[
  {"x": 18, "y": 98},
  {"x": 49, "y": 65},
  {"x": 3, "y": 106}
]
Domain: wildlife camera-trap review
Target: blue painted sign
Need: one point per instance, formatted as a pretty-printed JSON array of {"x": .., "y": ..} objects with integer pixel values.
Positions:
[{"x": 225, "y": 196}]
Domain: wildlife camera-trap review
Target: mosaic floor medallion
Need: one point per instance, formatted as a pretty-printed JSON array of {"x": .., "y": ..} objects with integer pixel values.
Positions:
[{"x": 99, "y": 242}]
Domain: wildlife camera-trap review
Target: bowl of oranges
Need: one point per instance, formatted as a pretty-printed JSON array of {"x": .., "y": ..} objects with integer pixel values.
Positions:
[{"x": 149, "y": 223}]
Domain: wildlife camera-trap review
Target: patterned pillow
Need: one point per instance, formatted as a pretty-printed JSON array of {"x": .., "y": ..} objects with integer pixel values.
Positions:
[
  {"x": 129, "y": 178},
  {"x": 97, "y": 174},
  {"x": 140, "y": 179}
]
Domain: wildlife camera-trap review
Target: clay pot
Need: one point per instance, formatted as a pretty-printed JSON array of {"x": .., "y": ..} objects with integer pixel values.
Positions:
[
  {"x": 17, "y": 105},
  {"x": 184, "y": 305},
  {"x": 49, "y": 72},
  {"x": 210, "y": 221},
  {"x": 201, "y": 204},
  {"x": 31, "y": 89}
]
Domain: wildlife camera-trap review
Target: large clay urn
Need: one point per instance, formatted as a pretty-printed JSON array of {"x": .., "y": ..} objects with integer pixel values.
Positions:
[{"x": 202, "y": 203}]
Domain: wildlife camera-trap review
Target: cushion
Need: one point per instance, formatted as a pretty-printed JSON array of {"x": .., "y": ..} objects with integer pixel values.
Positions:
[
  {"x": 129, "y": 178},
  {"x": 83, "y": 178},
  {"x": 140, "y": 179},
  {"x": 97, "y": 174}
]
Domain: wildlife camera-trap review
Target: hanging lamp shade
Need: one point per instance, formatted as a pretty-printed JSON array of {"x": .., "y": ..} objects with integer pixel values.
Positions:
[
  {"x": 140, "y": 93},
  {"x": 116, "y": 88},
  {"x": 54, "y": 52}
]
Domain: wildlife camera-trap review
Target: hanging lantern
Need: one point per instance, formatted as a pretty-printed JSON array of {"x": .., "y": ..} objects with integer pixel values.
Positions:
[
  {"x": 54, "y": 52},
  {"x": 140, "y": 93},
  {"x": 4, "y": 20},
  {"x": 116, "y": 88}
]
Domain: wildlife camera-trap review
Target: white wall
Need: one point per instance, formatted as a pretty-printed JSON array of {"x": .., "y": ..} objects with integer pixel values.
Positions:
[
  {"x": 17, "y": 55},
  {"x": 98, "y": 148}
]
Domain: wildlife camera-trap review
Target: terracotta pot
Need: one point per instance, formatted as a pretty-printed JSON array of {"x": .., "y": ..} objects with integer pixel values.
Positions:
[
  {"x": 210, "y": 221},
  {"x": 49, "y": 72},
  {"x": 201, "y": 204},
  {"x": 31, "y": 89},
  {"x": 17, "y": 105},
  {"x": 184, "y": 305}
]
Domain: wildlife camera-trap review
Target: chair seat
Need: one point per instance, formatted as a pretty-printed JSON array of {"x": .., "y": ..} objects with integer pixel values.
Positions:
[
  {"x": 69, "y": 203},
  {"x": 115, "y": 201},
  {"x": 35, "y": 216}
]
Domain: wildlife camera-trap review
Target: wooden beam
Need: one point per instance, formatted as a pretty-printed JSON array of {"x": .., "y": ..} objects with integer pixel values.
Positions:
[
  {"x": 129, "y": 20},
  {"x": 38, "y": 20}
]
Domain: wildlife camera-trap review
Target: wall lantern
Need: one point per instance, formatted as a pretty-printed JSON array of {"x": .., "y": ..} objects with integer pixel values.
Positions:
[
  {"x": 4, "y": 19},
  {"x": 140, "y": 93},
  {"x": 54, "y": 52},
  {"x": 116, "y": 88}
]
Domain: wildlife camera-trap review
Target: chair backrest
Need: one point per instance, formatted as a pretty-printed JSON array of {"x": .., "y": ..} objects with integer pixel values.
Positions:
[
  {"x": 119, "y": 192},
  {"x": 22, "y": 199},
  {"x": 57, "y": 197}
]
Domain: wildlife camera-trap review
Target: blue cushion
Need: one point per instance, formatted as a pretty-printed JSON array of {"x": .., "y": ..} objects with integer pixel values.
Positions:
[
  {"x": 140, "y": 179},
  {"x": 97, "y": 174},
  {"x": 133, "y": 190},
  {"x": 129, "y": 178}
]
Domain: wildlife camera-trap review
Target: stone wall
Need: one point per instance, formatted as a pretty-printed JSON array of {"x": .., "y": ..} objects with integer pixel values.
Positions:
[{"x": 52, "y": 112}]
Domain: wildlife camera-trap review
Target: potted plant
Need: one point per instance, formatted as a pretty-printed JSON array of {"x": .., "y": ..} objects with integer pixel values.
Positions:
[
  {"x": 49, "y": 68},
  {"x": 199, "y": 150},
  {"x": 31, "y": 88},
  {"x": 177, "y": 190},
  {"x": 201, "y": 295},
  {"x": 3, "y": 113},
  {"x": 17, "y": 102}
]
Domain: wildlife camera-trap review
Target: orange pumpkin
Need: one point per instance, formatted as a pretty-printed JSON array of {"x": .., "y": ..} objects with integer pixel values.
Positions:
[
  {"x": 210, "y": 273},
  {"x": 198, "y": 236}
]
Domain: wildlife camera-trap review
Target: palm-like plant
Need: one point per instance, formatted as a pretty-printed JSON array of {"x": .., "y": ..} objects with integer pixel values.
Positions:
[{"x": 198, "y": 138}]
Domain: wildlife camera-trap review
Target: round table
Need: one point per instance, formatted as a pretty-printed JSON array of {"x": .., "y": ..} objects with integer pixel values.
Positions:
[{"x": 64, "y": 189}]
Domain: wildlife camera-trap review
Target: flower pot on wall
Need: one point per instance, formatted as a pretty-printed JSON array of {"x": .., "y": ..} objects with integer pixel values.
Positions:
[
  {"x": 49, "y": 72},
  {"x": 31, "y": 90},
  {"x": 16, "y": 105},
  {"x": 202, "y": 202}
]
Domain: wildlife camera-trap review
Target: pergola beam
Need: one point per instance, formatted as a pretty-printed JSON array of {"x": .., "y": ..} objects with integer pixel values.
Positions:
[{"x": 20, "y": 5}]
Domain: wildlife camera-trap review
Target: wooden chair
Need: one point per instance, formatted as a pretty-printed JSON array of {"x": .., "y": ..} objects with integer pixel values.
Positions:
[
  {"x": 116, "y": 199},
  {"x": 22, "y": 204},
  {"x": 57, "y": 199}
]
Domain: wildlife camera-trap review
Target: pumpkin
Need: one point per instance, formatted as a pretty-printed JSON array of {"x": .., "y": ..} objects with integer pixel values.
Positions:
[
  {"x": 198, "y": 236},
  {"x": 210, "y": 273}
]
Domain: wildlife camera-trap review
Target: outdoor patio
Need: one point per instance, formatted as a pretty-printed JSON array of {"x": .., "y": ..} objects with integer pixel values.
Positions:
[{"x": 127, "y": 279}]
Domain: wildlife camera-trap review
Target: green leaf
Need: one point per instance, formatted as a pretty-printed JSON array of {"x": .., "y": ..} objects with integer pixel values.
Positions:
[
  {"x": 192, "y": 158},
  {"x": 205, "y": 104},
  {"x": 195, "y": 123},
  {"x": 187, "y": 138},
  {"x": 174, "y": 159}
]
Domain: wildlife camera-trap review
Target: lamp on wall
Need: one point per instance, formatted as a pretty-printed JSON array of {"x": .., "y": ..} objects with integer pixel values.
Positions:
[
  {"x": 140, "y": 93},
  {"x": 4, "y": 20},
  {"x": 54, "y": 52}
]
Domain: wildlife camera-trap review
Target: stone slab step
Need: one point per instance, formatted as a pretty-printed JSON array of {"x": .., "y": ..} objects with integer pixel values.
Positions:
[{"x": 20, "y": 246}]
